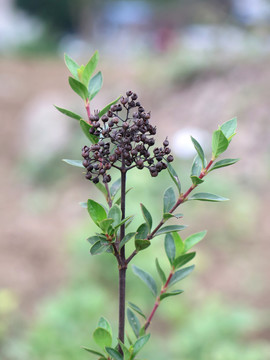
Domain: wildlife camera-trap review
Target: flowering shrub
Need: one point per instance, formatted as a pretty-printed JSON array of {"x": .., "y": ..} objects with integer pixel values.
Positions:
[{"x": 120, "y": 136}]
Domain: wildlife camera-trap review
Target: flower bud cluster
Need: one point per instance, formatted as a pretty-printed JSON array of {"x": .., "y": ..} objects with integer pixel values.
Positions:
[{"x": 124, "y": 143}]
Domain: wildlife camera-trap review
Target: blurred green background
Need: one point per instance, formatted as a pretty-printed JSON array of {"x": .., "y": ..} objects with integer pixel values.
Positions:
[{"x": 195, "y": 65}]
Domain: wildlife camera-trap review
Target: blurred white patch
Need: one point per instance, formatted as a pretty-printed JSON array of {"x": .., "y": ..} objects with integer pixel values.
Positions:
[
  {"x": 45, "y": 130},
  {"x": 182, "y": 145}
]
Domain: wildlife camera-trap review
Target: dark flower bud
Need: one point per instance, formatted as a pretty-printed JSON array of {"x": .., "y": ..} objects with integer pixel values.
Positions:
[
  {"x": 132, "y": 103},
  {"x": 138, "y": 103},
  {"x": 111, "y": 123},
  {"x": 124, "y": 100},
  {"x": 88, "y": 176},
  {"x": 170, "y": 158},
  {"x": 166, "y": 143},
  {"x": 154, "y": 173},
  {"x": 129, "y": 93},
  {"x": 85, "y": 163},
  {"x": 104, "y": 118},
  {"x": 134, "y": 96},
  {"x": 96, "y": 180},
  {"x": 114, "y": 107},
  {"x": 119, "y": 107},
  {"x": 109, "y": 113},
  {"x": 139, "y": 164},
  {"x": 167, "y": 150}
]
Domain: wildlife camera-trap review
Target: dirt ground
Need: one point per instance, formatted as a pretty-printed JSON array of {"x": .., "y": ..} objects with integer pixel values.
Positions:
[{"x": 32, "y": 261}]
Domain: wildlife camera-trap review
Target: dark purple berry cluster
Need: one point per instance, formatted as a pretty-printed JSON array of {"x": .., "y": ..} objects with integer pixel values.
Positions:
[{"x": 123, "y": 143}]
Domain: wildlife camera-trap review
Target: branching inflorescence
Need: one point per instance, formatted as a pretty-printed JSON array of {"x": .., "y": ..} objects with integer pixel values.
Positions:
[{"x": 122, "y": 137}]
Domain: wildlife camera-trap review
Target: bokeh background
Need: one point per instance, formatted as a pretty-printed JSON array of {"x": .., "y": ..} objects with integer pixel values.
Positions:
[{"x": 194, "y": 64}]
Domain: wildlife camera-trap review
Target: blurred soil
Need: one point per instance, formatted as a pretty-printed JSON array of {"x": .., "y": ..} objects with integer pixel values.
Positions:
[{"x": 32, "y": 261}]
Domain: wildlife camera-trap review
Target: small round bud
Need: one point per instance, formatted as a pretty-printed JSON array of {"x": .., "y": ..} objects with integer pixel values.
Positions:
[
  {"x": 134, "y": 96},
  {"x": 96, "y": 180},
  {"x": 170, "y": 158},
  {"x": 129, "y": 93},
  {"x": 104, "y": 118},
  {"x": 166, "y": 143}
]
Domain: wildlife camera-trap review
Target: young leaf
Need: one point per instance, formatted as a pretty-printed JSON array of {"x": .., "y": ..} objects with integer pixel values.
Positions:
[
  {"x": 179, "y": 245},
  {"x": 68, "y": 113},
  {"x": 196, "y": 166},
  {"x": 126, "y": 239},
  {"x": 199, "y": 151},
  {"x": 115, "y": 214},
  {"x": 170, "y": 228},
  {"x": 169, "y": 247},
  {"x": 107, "y": 107},
  {"x": 104, "y": 324},
  {"x": 125, "y": 350},
  {"x": 141, "y": 244},
  {"x": 168, "y": 200},
  {"x": 219, "y": 143},
  {"x": 85, "y": 128},
  {"x": 146, "y": 278},
  {"x": 114, "y": 354},
  {"x": 142, "y": 231},
  {"x": 160, "y": 272},
  {"x": 183, "y": 259},
  {"x": 172, "y": 293},
  {"x": 137, "y": 309},
  {"x": 124, "y": 221},
  {"x": 78, "y": 87},
  {"x": 105, "y": 225},
  {"x": 96, "y": 211},
  {"x": 77, "y": 163},
  {"x": 147, "y": 216},
  {"x": 207, "y": 197},
  {"x": 72, "y": 65},
  {"x": 115, "y": 187},
  {"x": 134, "y": 322},
  {"x": 223, "y": 163},
  {"x": 181, "y": 274},
  {"x": 229, "y": 128},
  {"x": 194, "y": 239},
  {"x": 140, "y": 343},
  {"x": 196, "y": 180},
  {"x": 167, "y": 216},
  {"x": 90, "y": 68},
  {"x": 93, "y": 351},
  {"x": 174, "y": 177},
  {"x": 102, "y": 337},
  {"x": 95, "y": 85}
]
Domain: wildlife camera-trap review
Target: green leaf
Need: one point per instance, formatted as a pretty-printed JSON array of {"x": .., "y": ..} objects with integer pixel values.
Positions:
[
  {"x": 68, "y": 113},
  {"x": 78, "y": 87},
  {"x": 114, "y": 353},
  {"x": 137, "y": 309},
  {"x": 160, "y": 272},
  {"x": 104, "y": 324},
  {"x": 169, "y": 247},
  {"x": 174, "y": 177},
  {"x": 142, "y": 232},
  {"x": 126, "y": 239},
  {"x": 93, "y": 239},
  {"x": 181, "y": 274},
  {"x": 102, "y": 337},
  {"x": 99, "y": 248},
  {"x": 72, "y": 65},
  {"x": 90, "y": 68},
  {"x": 105, "y": 225},
  {"x": 85, "y": 128},
  {"x": 229, "y": 128},
  {"x": 125, "y": 350},
  {"x": 139, "y": 344},
  {"x": 196, "y": 180},
  {"x": 146, "y": 278},
  {"x": 196, "y": 166},
  {"x": 141, "y": 244},
  {"x": 115, "y": 214},
  {"x": 199, "y": 151},
  {"x": 172, "y": 293},
  {"x": 170, "y": 228},
  {"x": 93, "y": 351},
  {"x": 207, "y": 197},
  {"x": 219, "y": 143},
  {"x": 107, "y": 107},
  {"x": 194, "y": 239},
  {"x": 169, "y": 200},
  {"x": 134, "y": 322},
  {"x": 223, "y": 163},
  {"x": 179, "y": 245},
  {"x": 123, "y": 221},
  {"x": 95, "y": 85},
  {"x": 96, "y": 211},
  {"x": 183, "y": 259},
  {"x": 115, "y": 187},
  {"x": 147, "y": 216},
  {"x": 77, "y": 163},
  {"x": 102, "y": 188},
  {"x": 167, "y": 216}
]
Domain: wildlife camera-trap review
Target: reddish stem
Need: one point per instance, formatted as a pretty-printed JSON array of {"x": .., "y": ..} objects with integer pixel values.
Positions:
[
  {"x": 163, "y": 290},
  {"x": 87, "y": 106}
]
